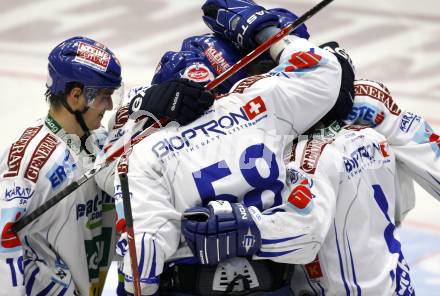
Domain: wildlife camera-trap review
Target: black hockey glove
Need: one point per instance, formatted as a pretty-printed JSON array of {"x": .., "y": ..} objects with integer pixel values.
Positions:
[
  {"x": 345, "y": 99},
  {"x": 179, "y": 99}
]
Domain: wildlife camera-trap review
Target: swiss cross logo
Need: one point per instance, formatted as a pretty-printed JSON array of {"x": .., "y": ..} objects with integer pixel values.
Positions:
[
  {"x": 93, "y": 56},
  {"x": 254, "y": 107}
]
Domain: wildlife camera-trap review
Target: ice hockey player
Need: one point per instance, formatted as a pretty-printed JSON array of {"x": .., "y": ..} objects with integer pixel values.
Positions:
[
  {"x": 233, "y": 152},
  {"x": 347, "y": 182},
  {"x": 68, "y": 251}
]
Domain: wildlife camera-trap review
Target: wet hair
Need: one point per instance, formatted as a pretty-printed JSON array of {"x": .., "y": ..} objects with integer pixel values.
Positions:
[{"x": 55, "y": 100}]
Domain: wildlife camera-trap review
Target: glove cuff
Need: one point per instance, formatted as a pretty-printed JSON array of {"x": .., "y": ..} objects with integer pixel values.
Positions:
[
  {"x": 277, "y": 49},
  {"x": 249, "y": 238}
]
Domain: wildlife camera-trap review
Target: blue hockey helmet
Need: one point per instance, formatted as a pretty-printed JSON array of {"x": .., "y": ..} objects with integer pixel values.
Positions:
[
  {"x": 83, "y": 60},
  {"x": 201, "y": 59}
]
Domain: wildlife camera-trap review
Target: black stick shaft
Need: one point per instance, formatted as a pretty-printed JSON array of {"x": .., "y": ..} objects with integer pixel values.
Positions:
[
  {"x": 130, "y": 232},
  {"x": 23, "y": 222}
]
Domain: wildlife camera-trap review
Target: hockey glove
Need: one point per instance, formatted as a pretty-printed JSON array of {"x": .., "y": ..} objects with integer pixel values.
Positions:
[
  {"x": 220, "y": 231},
  {"x": 178, "y": 99},
  {"x": 344, "y": 102},
  {"x": 285, "y": 18},
  {"x": 238, "y": 20}
]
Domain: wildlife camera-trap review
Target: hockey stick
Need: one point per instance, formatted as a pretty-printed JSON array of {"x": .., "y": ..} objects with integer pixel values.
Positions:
[
  {"x": 23, "y": 222},
  {"x": 130, "y": 231},
  {"x": 266, "y": 45}
]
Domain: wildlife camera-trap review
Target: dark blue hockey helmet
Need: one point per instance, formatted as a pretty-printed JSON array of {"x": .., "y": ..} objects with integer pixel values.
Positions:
[
  {"x": 201, "y": 59},
  {"x": 83, "y": 60}
]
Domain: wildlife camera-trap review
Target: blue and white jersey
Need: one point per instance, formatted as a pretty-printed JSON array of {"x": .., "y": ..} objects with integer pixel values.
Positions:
[
  {"x": 235, "y": 152},
  {"x": 338, "y": 220},
  {"x": 415, "y": 143},
  {"x": 68, "y": 249}
]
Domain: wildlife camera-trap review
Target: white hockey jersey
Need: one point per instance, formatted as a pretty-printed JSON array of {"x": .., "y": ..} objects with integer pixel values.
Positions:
[
  {"x": 233, "y": 152},
  {"x": 68, "y": 249},
  {"x": 338, "y": 219},
  {"x": 416, "y": 145}
]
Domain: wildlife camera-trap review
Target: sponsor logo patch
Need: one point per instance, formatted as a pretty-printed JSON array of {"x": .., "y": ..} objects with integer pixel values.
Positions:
[
  {"x": 92, "y": 210},
  {"x": 40, "y": 156},
  {"x": 254, "y": 107},
  {"x": 18, "y": 191},
  {"x": 365, "y": 156},
  {"x": 312, "y": 152},
  {"x": 60, "y": 172},
  {"x": 17, "y": 150},
  {"x": 123, "y": 162},
  {"x": 92, "y": 56},
  {"x": 301, "y": 195},
  {"x": 314, "y": 269},
  {"x": 355, "y": 127},
  {"x": 302, "y": 60},
  {"x": 377, "y": 94},
  {"x": 9, "y": 240},
  {"x": 198, "y": 73},
  {"x": 217, "y": 60},
  {"x": 247, "y": 115},
  {"x": 366, "y": 114},
  {"x": 301, "y": 198},
  {"x": 248, "y": 82},
  {"x": 407, "y": 121}
]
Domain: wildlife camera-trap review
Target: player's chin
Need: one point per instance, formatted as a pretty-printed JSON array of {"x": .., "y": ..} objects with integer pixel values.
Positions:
[{"x": 96, "y": 123}]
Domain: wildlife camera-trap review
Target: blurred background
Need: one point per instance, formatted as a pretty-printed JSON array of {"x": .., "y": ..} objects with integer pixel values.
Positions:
[{"x": 396, "y": 42}]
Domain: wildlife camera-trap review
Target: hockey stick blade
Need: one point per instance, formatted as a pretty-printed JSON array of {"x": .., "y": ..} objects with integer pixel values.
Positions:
[{"x": 266, "y": 45}]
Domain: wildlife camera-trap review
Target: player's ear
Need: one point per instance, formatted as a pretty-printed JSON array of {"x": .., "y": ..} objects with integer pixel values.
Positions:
[
  {"x": 74, "y": 98},
  {"x": 76, "y": 92}
]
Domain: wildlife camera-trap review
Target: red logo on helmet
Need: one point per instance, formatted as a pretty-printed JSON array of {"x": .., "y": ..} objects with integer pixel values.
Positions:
[
  {"x": 93, "y": 56},
  {"x": 216, "y": 59},
  {"x": 198, "y": 73}
]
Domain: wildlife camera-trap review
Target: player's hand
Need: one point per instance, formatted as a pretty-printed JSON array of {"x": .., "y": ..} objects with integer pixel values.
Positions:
[
  {"x": 286, "y": 17},
  {"x": 220, "y": 231},
  {"x": 179, "y": 100},
  {"x": 238, "y": 20}
]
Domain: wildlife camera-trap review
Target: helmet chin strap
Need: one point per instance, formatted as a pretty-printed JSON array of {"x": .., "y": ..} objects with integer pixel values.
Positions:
[{"x": 79, "y": 118}]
